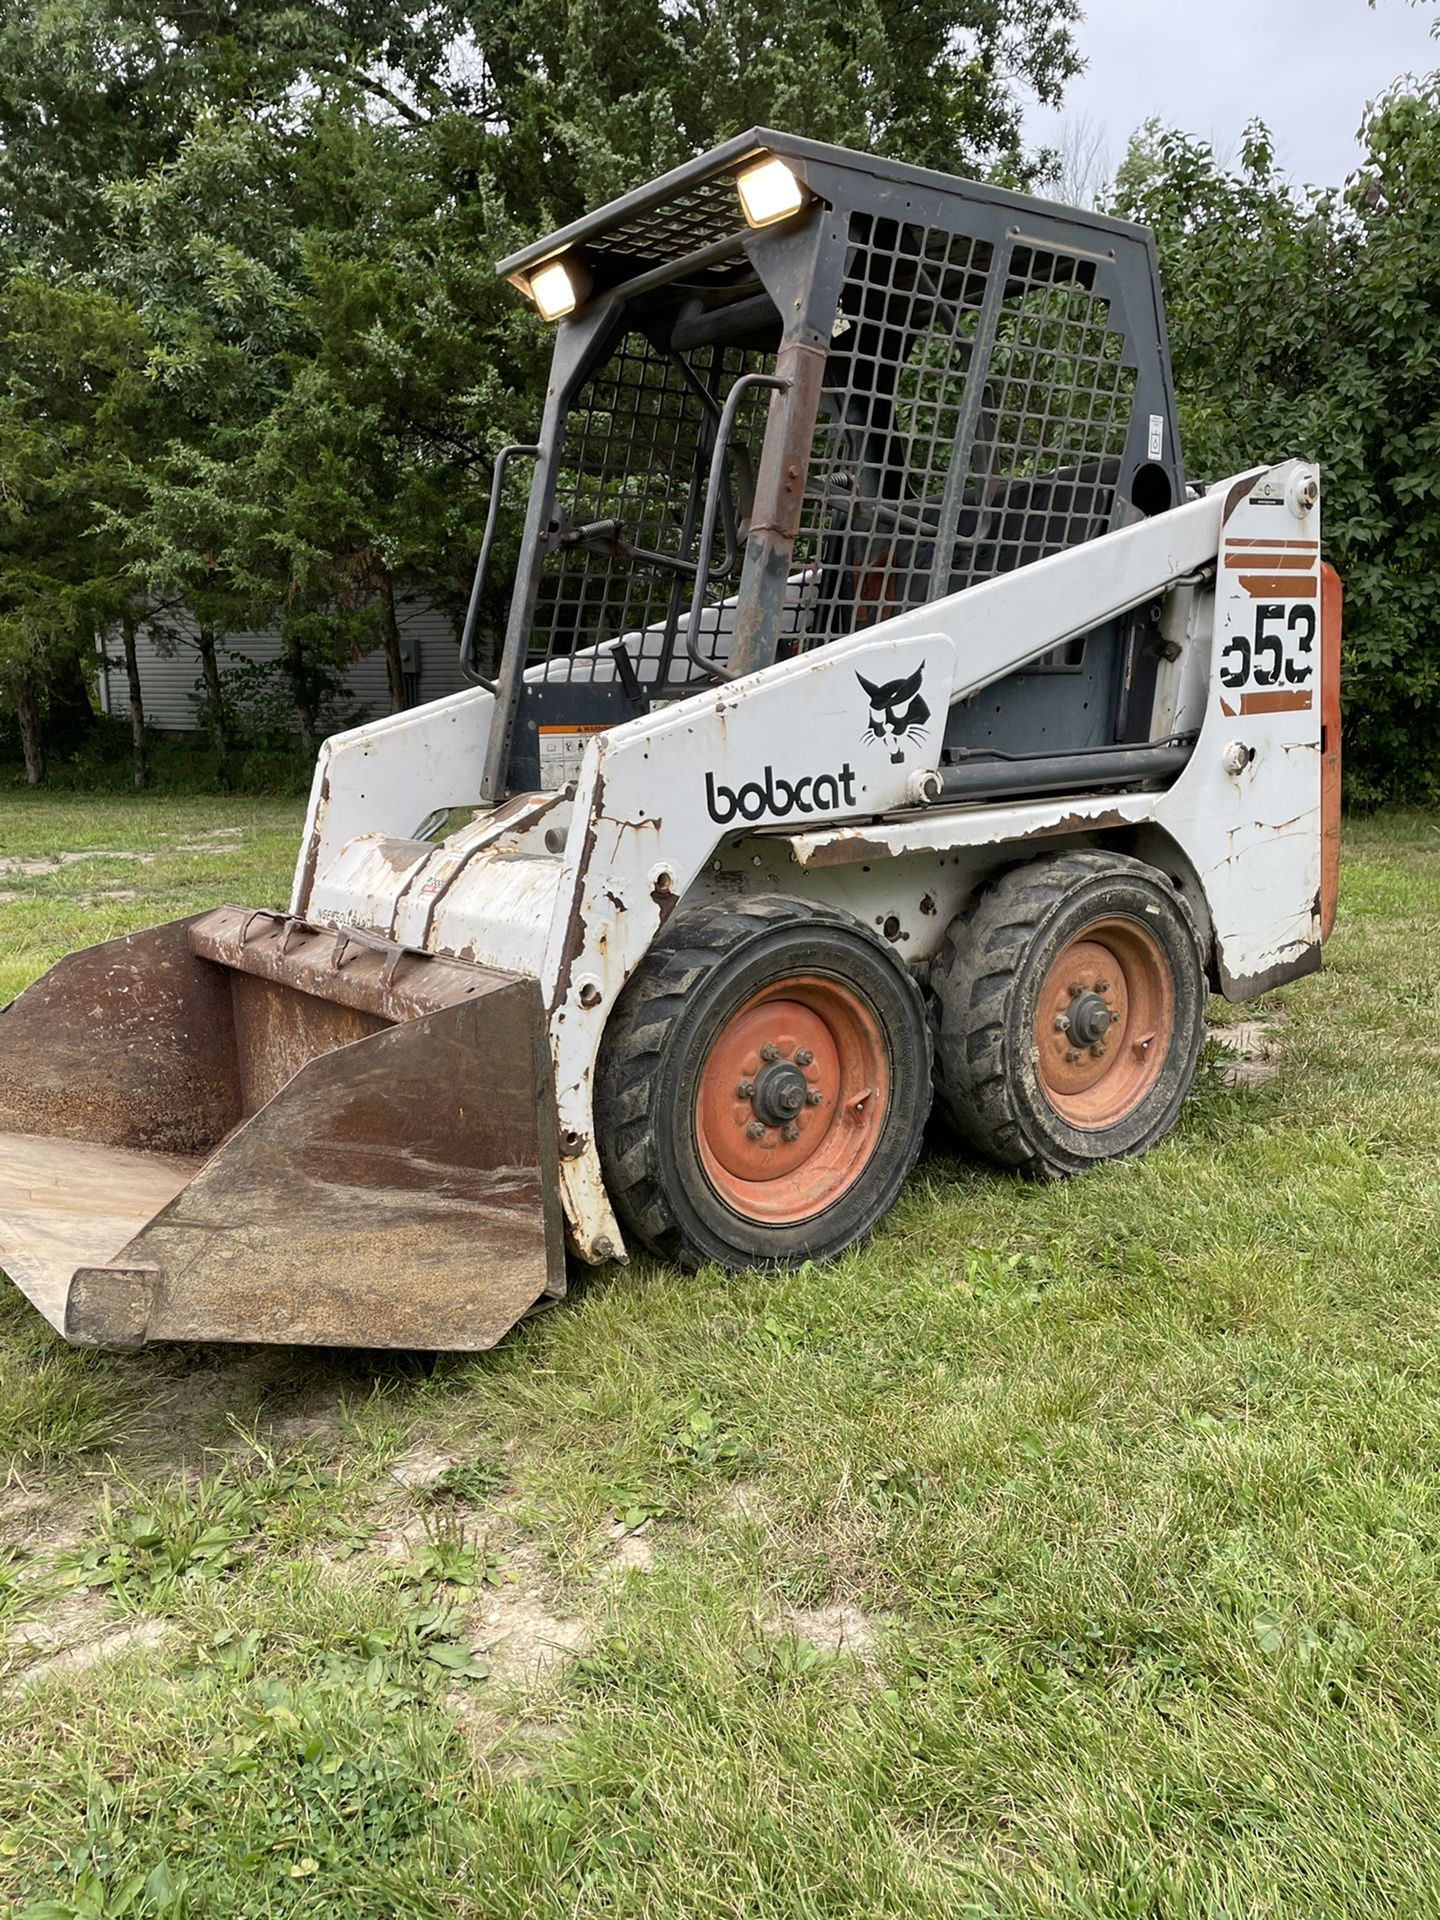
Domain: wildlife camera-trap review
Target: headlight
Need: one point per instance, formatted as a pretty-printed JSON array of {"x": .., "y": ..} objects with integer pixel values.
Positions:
[
  {"x": 768, "y": 192},
  {"x": 558, "y": 287}
]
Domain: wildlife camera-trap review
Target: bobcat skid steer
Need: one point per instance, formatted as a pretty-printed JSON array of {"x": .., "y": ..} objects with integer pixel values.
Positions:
[{"x": 880, "y": 717}]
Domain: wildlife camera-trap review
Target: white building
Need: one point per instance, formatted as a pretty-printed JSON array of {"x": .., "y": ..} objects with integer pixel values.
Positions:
[{"x": 170, "y": 676}]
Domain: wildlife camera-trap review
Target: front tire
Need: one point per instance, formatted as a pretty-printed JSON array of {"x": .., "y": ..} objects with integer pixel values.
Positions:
[
  {"x": 1070, "y": 1011},
  {"x": 763, "y": 1086}
]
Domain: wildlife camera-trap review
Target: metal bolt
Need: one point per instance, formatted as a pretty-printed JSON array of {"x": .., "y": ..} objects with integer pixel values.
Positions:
[
  {"x": 790, "y": 1132},
  {"x": 1062, "y": 1023},
  {"x": 745, "y": 1090},
  {"x": 768, "y": 1052},
  {"x": 1098, "y": 1049},
  {"x": 1102, "y": 986},
  {"x": 1075, "y": 989},
  {"x": 814, "y": 1097},
  {"x": 1071, "y": 1055},
  {"x": 754, "y": 1131},
  {"x": 803, "y": 1057}
]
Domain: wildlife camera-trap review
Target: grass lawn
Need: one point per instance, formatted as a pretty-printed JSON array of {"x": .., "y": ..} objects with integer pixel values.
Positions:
[{"x": 1068, "y": 1550}]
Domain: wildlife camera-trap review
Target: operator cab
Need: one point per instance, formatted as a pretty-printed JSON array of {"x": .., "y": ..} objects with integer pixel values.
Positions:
[{"x": 797, "y": 390}]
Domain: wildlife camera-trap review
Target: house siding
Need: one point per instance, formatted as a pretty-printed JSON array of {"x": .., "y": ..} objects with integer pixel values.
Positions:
[{"x": 170, "y": 679}]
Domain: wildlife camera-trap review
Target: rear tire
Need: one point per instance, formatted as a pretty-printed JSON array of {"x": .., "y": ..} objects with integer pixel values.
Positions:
[
  {"x": 763, "y": 1086},
  {"x": 1070, "y": 1011}
]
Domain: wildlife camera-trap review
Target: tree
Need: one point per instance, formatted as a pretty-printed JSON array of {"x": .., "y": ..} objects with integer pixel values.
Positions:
[
  {"x": 73, "y": 400},
  {"x": 1304, "y": 323},
  {"x": 298, "y": 209}
]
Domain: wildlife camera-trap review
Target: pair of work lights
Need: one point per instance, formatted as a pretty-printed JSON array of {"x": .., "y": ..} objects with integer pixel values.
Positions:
[{"x": 768, "y": 192}]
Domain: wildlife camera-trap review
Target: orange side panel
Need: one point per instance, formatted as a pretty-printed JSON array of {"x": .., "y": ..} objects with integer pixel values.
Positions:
[{"x": 1332, "y": 596}]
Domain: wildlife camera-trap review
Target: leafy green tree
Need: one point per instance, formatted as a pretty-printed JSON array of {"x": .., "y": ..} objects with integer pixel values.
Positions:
[
  {"x": 591, "y": 99},
  {"x": 73, "y": 401},
  {"x": 296, "y": 211},
  {"x": 1305, "y": 323}
]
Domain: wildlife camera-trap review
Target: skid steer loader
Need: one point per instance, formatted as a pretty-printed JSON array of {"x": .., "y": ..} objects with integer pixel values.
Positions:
[{"x": 879, "y": 715}]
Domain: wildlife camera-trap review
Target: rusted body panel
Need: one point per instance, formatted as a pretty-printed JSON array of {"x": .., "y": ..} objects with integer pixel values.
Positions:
[{"x": 128, "y": 1044}]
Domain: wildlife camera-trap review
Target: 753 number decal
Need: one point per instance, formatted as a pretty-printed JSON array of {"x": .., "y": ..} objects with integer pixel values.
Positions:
[{"x": 1282, "y": 648}]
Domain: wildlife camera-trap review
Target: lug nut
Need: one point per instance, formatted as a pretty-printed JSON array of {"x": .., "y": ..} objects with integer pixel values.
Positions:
[
  {"x": 1062, "y": 1023},
  {"x": 790, "y": 1131},
  {"x": 754, "y": 1131},
  {"x": 1075, "y": 989},
  {"x": 768, "y": 1052},
  {"x": 1102, "y": 986},
  {"x": 1098, "y": 1049},
  {"x": 1071, "y": 1056},
  {"x": 803, "y": 1057},
  {"x": 814, "y": 1097},
  {"x": 745, "y": 1090}
]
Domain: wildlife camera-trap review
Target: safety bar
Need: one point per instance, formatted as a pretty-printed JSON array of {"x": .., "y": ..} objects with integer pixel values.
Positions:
[
  {"x": 492, "y": 517},
  {"x": 715, "y": 486}
]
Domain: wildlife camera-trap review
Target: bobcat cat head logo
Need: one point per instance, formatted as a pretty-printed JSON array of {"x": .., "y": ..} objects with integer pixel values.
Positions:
[{"x": 896, "y": 712}]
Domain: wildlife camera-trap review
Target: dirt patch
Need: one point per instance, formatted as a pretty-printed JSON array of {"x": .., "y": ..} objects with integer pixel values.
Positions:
[
  {"x": 39, "y": 1522},
  {"x": 1255, "y": 1043},
  {"x": 745, "y": 1500},
  {"x": 634, "y": 1554},
  {"x": 72, "y": 1638},
  {"x": 212, "y": 840},
  {"x": 634, "y": 1547},
  {"x": 837, "y": 1628},
  {"x": 422, "y": 1467},
  {"x": 36, "y": 866},
  {"x": 299, "y": 1429},
  {"x": 401, "y": 1539},
  {"x": 196, "y": 1402},
  {"x": 516, "y": 1630},
  {"x": 514, "y": 1747}
]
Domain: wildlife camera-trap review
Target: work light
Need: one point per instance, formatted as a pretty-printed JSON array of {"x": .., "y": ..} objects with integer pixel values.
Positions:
[
  {"x": 558, "y": 287},
  {"x": 768, "y": 192}
]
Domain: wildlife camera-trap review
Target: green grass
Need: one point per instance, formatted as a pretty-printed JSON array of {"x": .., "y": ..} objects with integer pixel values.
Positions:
[
  {"x": 136, "y": 859},
  {"x": 1124, "y": 1494}
]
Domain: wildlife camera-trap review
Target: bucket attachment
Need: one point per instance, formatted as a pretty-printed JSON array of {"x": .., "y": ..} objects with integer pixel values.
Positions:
[{"x": 238, "y": 1127}]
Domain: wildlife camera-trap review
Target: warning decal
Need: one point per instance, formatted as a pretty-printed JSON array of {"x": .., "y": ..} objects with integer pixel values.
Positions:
[{"x": 561, "y": 751}]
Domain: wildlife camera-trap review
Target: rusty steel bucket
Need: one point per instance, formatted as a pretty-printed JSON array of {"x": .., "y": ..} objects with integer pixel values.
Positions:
[{"x": 239, "y": 1127}]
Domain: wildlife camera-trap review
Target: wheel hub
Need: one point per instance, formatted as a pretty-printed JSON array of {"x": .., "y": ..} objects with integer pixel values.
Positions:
[
  {"x": 1103, "y": 1022},
  {"x": 780, "y": 1091},
  {"x": 793, "y": 1099},
  {"x": 1089, "y": 1019}
]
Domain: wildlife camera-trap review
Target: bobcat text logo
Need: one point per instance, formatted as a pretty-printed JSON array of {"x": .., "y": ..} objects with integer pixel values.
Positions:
[
  {"x": 896, "y": 712},
  {"x": 811, "y": 793}
]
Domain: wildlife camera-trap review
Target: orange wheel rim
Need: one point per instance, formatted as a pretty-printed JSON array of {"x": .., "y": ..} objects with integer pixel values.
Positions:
[
  {"x": 792, "y": 1099},
  {"x": 1103, "y": 1023}
]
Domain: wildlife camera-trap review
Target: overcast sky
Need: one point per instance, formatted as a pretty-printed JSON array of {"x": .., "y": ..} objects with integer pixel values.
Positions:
[{"x": 1306, "y": 67}]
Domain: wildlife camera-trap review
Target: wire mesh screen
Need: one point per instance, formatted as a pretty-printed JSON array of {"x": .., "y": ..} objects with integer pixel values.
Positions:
[
  {"x": 1045, "y": 426},
  {"x": 1058, "y": 396},
  {"x": 705, "y": 212},
  {"x": 628, "y": 508},
  {"x": 890, "y": 413},
  {"x": 964, "y": 428}
]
